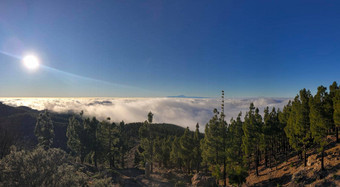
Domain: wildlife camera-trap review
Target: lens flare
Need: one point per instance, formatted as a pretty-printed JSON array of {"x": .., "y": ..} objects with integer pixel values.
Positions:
[{"x": 31, "y": 62}]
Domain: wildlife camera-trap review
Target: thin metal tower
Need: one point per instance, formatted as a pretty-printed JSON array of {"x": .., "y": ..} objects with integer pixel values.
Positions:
[{"x": 222, "y": 105}]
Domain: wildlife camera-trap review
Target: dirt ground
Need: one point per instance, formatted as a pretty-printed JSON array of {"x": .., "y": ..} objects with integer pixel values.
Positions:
[{"x": 293, "y": 173}]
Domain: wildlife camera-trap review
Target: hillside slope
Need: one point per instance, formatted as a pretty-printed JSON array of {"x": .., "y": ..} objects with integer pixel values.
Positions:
[
  {"x": 21, "y": 122},
  {"x": 293, "y": 173}
]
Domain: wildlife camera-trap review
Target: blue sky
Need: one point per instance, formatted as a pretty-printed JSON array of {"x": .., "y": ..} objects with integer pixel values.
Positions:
[{"x": 162, "y": 48}]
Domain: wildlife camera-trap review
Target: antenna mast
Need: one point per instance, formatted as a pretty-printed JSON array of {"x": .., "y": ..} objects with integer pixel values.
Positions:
[{"x": 222, "y": 105}]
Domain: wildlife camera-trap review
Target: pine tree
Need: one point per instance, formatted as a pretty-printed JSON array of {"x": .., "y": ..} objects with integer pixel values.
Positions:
[
  {"x": 252, "y": 128},
  {"x": 334, "y": 95},
  {"x": 197, "y": 149},
  {"x": 150, "y": 117},
  {"x": 283, "y": 118},
  {"x": 165, "y": 150},
  {"x": 298, "y": 126},
  {"x": 108, "y": 138},
  {"x": 92, "y": 144},
  {"x": 272, "y": 135},
  {"x": 186, "y": 147},
  {"x": 157, "y": 151},
  {"x": 336, "y": 115},
  {"x": 235, "y": 134},
  {"x": 214, "y": 146},
  {"x": 277, "y": 134},
  {"x": 147, "y": 137},
  {"x": 237, "y": 173},
  {"x": 122, "y": 144},
  {"x": 76, "y": 137},
  {"x": 267, "y": 131},
  {"x": 321, "y": 119},
  {"x": 44, "y": 130},
  {"x": 175, "y": 157}
]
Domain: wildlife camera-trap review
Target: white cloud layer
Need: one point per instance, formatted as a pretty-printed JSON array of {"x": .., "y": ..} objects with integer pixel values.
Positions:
[{"x": 180, "y": 111}]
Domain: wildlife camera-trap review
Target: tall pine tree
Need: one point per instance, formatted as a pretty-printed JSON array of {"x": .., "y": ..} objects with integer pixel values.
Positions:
[
  {"x": 252, "y": 128},
  {"x": 321, "y": 119},
  {"x": 197, "y": 149},
  {"x": 333, "y": 92},
  {"x": 44, "y": 130},
  {"x": 298, "y": 125},
  {"x": 186, "y": 147}
]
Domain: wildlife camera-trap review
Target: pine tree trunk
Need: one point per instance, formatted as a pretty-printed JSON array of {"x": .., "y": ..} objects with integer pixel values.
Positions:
[
  {"x": 82, "y": 158},
  {"x": 224, "y": 172},
  {"x": 337, "y": 134},
  {"x": 270, "y": 162},
  {"x": 300, "y": 155},
  {"x": 305, "y": 158},
  {"x": 122, "y": 160},
  {"x": 151, "y": 170},
  {"x": 322, "y": 158},
  {"x": 266, "y": 158},
  {"x": 112, "y": 161},
  {"x": 285, "y": 150},
  {"x": 257, "y": 163},
  {"x": 95, "y": 158},
  {"x": 272, "y": 152}
]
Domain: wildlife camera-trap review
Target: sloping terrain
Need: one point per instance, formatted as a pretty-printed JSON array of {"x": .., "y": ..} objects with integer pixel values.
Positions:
[{"x": 293, "y": 173}]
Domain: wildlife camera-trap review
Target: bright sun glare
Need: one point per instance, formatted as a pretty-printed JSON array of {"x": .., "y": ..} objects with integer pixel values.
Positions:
[{"x": 31, "y": 62}]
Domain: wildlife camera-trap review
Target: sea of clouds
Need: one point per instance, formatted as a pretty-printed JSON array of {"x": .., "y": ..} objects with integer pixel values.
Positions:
[{"x": 185, "y": 112}]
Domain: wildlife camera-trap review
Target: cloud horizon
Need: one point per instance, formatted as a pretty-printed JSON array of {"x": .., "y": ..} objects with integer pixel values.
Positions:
[{"x": 185, "y": 112}]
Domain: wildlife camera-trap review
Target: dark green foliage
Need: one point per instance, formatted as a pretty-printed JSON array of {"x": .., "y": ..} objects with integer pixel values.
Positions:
[
  {"x": 108, "y": 138},
  {"x": 186, "y": 149},
  {"x": 335, "y": 94},
  {"x": 75, "y": 135},
  {"x": 273, "y": 135},
  {"x": 175, "y": 157},
  {"x": 161, "y": 149},
  {"x": 7, "y": 139},
  {"x": 235, "y": 134},
  {"x": 298, "y": 126},
  {"x": 252, "y": 128},
  {"x": 39, "y": 168},
  {"x": 197, "y": 158},
  {"x": 150, "y": 117},
  {"x": 44, "y": 130},
  {"x": 83, "y": 139},
  {"x": 91, "y": 141},
  {"x": 214, "y": 145},
  {"x": 147, "y": 137},
  {"x": 123, "y": 143},
  {"x": 237, "y": 172},
  {"x": 238, "y": 175},
  {"x": 321, "y": 118}
]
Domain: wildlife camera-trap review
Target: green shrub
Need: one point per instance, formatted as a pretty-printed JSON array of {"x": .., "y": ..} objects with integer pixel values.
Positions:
[{"x": 39, "y": 167}]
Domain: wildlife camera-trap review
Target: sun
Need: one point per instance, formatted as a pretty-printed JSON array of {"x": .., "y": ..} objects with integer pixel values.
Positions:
[{"x": 31, "y": 62}]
